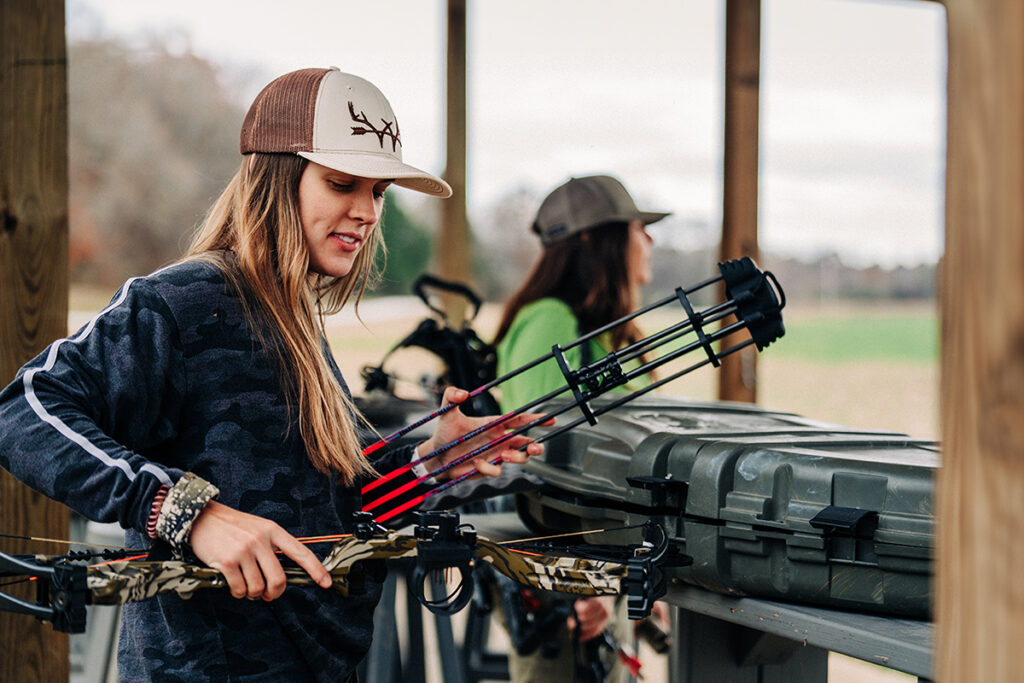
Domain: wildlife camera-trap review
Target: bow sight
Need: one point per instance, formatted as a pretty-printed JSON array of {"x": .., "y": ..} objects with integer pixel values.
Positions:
[
  {"x": 443, "y": 544},
  {"x": 635, "y": 571}
]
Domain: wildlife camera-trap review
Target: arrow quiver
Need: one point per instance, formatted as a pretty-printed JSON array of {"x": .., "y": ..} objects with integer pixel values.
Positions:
[{"x": 753, "y": 298}]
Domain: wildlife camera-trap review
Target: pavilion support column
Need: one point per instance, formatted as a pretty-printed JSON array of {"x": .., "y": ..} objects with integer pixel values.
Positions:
[
  {"x": 738, "y": 376},
  {"x": 980, "y": 492},
  {"x": 454, "y": 243},
  {"x": 33, "y": 282}
]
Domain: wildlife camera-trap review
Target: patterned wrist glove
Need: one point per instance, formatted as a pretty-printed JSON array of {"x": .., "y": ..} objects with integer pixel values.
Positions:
[{"x": 184, "y": 501}]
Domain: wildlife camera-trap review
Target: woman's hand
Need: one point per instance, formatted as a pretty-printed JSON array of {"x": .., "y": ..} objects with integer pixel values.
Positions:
[
  {"x": 659, "y": 610},
  {"x": 243, "y": 548},
  {"x": 454, "y": 424},
  {"x": 592, "y": 615}
]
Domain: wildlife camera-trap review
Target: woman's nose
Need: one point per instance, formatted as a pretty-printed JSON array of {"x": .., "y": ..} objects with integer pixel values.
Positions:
[{"x": 364, "y": 207}]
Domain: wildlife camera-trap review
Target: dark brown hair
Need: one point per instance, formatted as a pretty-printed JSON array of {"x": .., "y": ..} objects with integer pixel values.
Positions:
[{"x": 589, "y": 272}]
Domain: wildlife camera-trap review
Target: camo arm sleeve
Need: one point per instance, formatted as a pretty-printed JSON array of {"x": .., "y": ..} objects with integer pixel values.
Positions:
[
  {"x": 180, "y": 509},
  {"x": 75, "y": 419}
]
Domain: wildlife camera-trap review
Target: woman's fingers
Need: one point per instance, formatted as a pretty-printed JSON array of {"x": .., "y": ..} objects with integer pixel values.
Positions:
[
  {"x": 454, "y": 395},
  {"x": 497, "y": 443},
  {"x": 592, "y": 615},
  {"x": 233, "y": 577},
  {"x": 252, "y": 573},
  {"x": 524, "y": 419},
  {"x": 303, "y": 557},
  {"x": 243, "y": 548}
]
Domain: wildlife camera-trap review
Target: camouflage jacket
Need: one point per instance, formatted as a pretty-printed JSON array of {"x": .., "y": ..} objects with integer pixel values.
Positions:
[{"x": 169, "y": 379}]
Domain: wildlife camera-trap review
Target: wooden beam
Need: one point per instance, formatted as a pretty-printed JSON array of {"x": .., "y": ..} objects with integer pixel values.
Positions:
[
  {"x": 979, "y": 592},
  {"x": 33, "y": 277},
  {"x": 454, "y": 246},
  {"x": 738, "y": 376}
]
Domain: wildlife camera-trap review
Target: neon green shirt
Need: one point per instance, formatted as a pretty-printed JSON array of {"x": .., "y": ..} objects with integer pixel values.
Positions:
[{"x": 537, "y": 327}]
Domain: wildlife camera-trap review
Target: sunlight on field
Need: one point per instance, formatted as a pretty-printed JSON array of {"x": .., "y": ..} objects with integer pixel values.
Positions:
[{"x": 867, "y": 367}]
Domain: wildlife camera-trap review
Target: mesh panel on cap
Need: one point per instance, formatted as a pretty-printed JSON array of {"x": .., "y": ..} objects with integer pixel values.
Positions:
[{"x": 281, "y": 117}]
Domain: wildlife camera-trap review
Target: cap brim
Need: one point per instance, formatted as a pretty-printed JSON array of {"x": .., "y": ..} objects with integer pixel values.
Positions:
[
  {"x": 369, "y": 165},
  {"x": 649, "y": 217}
]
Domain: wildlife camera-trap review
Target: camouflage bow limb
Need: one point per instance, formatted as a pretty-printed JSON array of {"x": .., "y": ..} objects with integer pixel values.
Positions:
[{"x": 561, "y": 574}]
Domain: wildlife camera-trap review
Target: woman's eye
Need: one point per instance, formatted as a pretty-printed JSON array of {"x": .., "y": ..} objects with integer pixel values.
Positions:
[{"x": 339, "y": 187}]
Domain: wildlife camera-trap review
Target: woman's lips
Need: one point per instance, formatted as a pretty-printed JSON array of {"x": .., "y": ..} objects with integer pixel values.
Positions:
[{"x": 346, "y": 241}]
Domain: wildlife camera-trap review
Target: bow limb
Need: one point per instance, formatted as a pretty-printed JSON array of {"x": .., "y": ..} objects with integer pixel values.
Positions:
[
  {"x": 117, "y": 583},
  {"x": 573, "y": 575}
]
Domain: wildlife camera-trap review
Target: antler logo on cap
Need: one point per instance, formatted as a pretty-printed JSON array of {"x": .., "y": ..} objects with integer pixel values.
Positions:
[{"x": 396, "y": 136}]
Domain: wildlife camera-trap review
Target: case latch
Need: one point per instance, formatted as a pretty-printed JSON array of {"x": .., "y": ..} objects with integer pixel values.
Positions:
[{"x": 849, "y": 533}]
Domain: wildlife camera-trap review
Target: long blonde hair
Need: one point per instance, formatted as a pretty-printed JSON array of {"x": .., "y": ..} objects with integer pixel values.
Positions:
[{"x": 253, "y": 233}]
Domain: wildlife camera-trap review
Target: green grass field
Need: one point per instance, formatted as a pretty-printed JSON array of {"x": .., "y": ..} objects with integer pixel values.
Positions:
[{"x": 910, "y": 336}]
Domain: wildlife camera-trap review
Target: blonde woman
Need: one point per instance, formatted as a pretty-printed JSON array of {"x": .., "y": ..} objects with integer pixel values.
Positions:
[{"x": 202, "y": 409}]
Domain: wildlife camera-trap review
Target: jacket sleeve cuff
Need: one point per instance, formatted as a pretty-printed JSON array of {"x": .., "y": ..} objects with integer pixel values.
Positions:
[
  {"x": 184, "y": 501},
  {"x": 420, "y": 470}
]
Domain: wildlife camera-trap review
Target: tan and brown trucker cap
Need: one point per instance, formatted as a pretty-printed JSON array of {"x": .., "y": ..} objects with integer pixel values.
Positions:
[
  {"x": 584, "y": 203},
  {"x": 337, "y": 120}
]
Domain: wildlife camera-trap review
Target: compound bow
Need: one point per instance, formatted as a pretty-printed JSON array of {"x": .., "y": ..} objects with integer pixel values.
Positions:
[{"x": 65, "y": 584}]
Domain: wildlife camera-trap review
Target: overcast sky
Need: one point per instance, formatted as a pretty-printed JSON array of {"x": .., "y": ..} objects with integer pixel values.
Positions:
[{"x": 852, "y": 100}]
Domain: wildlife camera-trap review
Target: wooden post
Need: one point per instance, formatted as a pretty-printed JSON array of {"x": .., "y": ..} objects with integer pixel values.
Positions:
[
  {"x": 979, "y": 591},
  {"x": 33, "y": 278},
  {"x": 738, "y": 376},
  {"x": 454, "y": 248}
]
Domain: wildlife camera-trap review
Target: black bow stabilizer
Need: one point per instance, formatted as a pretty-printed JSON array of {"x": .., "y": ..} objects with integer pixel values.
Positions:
[{"x": 755, "y": 295}]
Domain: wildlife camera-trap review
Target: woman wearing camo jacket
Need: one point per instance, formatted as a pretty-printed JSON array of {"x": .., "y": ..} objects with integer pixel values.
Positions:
[{"x": 202, "y": 409}]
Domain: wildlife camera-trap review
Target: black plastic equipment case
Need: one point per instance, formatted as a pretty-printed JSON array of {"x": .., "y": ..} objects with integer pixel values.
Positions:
[{"x": 768, "y": 504}]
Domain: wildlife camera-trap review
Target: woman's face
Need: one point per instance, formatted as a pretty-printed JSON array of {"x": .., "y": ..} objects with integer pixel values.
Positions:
[
  {"x": 338, "y": 211},
  {"x": 638, "y": 254}
]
